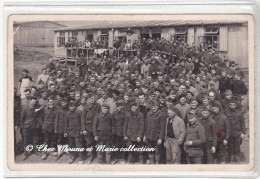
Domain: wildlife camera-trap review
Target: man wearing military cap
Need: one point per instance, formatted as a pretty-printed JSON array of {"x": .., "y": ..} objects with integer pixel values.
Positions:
[
  {"x": 154, "y": 131},
  {"x": 134, "y": 131},
  {"x": 118, "y": 123},
  {"x": 194, "y": 141},
  {"x": 59, "y": 125},
  {"x": 223, "y": 132},
  {"x": 72, "y": 130},
  {"x": 209, "y": 148},
  {"x": 103, "y": 130}
]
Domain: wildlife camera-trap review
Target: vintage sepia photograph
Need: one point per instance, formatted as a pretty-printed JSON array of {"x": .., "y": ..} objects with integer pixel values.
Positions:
[{"x": 127, "y": 91}]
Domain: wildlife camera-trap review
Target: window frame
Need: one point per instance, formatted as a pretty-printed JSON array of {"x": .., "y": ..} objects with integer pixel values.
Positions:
[
  {"x": 214, "y": 34},
  {"x": 61, "y": 40}
]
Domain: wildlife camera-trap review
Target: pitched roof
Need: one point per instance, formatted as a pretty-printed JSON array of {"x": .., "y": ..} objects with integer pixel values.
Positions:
[{"x": 153, "y": 23}]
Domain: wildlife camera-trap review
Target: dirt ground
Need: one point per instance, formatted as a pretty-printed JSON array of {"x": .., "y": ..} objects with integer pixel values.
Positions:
[{"x": 34, "y": 59}]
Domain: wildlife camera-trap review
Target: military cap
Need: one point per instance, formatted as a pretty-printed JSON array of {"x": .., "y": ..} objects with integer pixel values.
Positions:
[
  {"x": 120, "y": 102},
  {"x": 133, "y": 103},
  {"x": 64, "y": 99},
  {"x": 214, "y": 104},
  {"x": 72, "y": 104},
  {"x": 155, "y": 103},
  {"x": 105, "y": 105}
]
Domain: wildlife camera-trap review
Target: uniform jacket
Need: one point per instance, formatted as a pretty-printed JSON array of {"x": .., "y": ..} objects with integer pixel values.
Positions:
[
  {"x": 223, "y": 126},
  {"x": 60, "y": 120},
  {"x": 155, "y": 128},
  {"x": 17, "y": 110},
  {"x": 29, "y": 118},
  {"x": 178, "y": 128},
  {"x": 103, "y": 126},
  {"x": 210, "y": 129},
  {"x": 88, "y": 116},
  {"x": 238, "y": 87},
  {"x": 134, "y": 125},
  {"x": 196, "y": 134},
  {"x": 118, "y": 122},
  {"x": 73, "y": 124},
  {"x": 49, "y": 115},
  {"x": 183, "y": 109},
  {"x": 237, "y": 122}
]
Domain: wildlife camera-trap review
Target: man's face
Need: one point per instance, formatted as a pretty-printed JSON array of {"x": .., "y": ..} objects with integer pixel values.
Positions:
[
  {"x": 160, "y": 79},
  {"x": 154, "y": 108},
  {"x": 72, "y": 108},
  {"x": 104, "y": 110},
  {"x": 189, "y": 96},
  {"x": 232, "y": 105},
  {"x": 92, "y": 80},
  {"x": 192, "y": 120},
  {"x": 215, "y": 110},
  {"x": 83, "y": 101},
  {"x": 183, "y": 100},
  {"x": 99, "y": 78},
  {"x": 33, "y": 90},
  {"x": 104, "y": 95},
  {"x": 211, "y": 97},
  {"x": 44, "y": 95},
  {"x": 72, "y": 94},
  {"x": 205, "y": 114},
  {"x": 52, "y": 87},
  {"x": 63, "y": 104},
  {"x": 92, "y": 99},
  {"x": 187, "y": 83},
  {"x": 157, "y": 94},
  {"x": 134, "y": 109},
  {"x": 33, "y": 102},
  {"x": 193, "y": 104},
  {"x": 126, "y": 98},
  {"x": 77, "y": 96},
  {"x": 171, "y": 113},
  {"x": 27, "y": 94},
  {"x": 51, "y": 103},
  {"x": 228, "y": 96},
  {"x": 44, "y": 72},
  {"x": 141, "y": 99},
  {"x": 205, "y": 102},
  {"x": 203, "y": 90},
  {"x": 119, "y": 108}
]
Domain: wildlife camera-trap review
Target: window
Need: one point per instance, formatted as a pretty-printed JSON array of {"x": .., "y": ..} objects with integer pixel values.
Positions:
[
  {"x": 180, "y": 34},
  {"x": 211, "y": 38},
  {"x": 89, "y": 37},
  {"x": 156, "y": 35},
  {"x": 61, "y": 39},
  {"x": 121, "y": 38},
  {"x": 74, "y": 36}
]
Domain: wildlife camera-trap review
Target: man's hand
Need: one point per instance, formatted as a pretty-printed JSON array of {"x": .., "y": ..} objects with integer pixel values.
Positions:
[
  {"x": 36, "y": 110},
  {"x": 138, "y": 139},
  {"x": 96, "y": 138},
  {"x": 65, "y": 135},
  {"x": 225, "y": 142},
  {"x": 189, "y": 143},
  {"x": 126, "y": 138},
  {"x": 15, "y": 128},
  {"x": 159, "y": 142},
  {"x": 144, "y": 139},
  {"x": 56, "y": 132},
  {"x": 242, "y": 136},
  {"x": 213, "y": 149},
  {"x": 84, "y": 132}
]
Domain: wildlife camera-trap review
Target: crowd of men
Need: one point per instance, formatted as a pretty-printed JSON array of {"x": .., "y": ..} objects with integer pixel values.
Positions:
[{"x": 184, "y": 101}]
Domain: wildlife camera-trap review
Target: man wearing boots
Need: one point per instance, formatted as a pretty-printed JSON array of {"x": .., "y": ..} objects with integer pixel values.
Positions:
[
  {"x": 154, "y": 132},
  {"x": 134, "y": 131}
]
